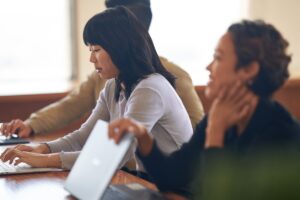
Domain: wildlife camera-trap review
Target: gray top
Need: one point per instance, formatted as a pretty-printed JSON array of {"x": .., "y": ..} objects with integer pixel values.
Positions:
[{"x": 153, "y": 103}]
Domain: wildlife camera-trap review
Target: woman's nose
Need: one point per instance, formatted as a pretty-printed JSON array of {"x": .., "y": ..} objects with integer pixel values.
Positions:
[
  {"x": 92, "y": 58},
  {"x": 208, "y": 67}
]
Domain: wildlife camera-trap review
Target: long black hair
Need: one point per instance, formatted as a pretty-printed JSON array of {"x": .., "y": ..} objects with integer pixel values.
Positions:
[{"x": 129, "y": 45}]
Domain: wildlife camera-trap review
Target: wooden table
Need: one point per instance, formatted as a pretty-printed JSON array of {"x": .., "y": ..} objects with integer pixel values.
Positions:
[{"x": 49, "y": 185}]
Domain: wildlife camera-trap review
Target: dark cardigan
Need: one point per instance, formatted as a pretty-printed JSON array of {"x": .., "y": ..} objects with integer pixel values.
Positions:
[{"x": 270, "y": 126}]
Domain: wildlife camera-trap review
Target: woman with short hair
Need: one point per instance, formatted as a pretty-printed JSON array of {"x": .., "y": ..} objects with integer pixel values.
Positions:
[{"x": 250, "y": 63}]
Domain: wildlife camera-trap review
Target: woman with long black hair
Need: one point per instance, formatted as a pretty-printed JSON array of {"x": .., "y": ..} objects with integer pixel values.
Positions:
[{"x": 138, "y": 87}]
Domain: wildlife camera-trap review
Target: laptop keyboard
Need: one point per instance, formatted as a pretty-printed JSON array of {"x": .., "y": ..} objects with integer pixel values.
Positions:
[
  {"x": 122, "y": 192},
  {"x": 5, "y": 167},
  {"x": 112, "y": 193}
]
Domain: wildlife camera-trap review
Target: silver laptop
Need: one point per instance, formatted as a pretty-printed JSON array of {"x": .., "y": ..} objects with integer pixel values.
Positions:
[{"x": 96, "y": 165}]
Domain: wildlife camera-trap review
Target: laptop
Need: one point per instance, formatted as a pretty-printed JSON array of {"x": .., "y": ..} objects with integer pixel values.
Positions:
[
  {"x": 98, "y": 161},
  {"x": 13, "y": 139}
]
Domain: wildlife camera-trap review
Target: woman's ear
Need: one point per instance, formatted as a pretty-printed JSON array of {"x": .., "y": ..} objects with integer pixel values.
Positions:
[{"x": 249, "y": 72}]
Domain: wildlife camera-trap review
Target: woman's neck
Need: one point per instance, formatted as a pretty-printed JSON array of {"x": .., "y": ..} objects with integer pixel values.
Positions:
[{"x": 241, "y": 126}]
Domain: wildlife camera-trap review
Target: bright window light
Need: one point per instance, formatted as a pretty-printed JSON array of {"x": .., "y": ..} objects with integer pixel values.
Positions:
[
  {"x": 186, "y": 32},
  {"x": 35, "y": 50}
]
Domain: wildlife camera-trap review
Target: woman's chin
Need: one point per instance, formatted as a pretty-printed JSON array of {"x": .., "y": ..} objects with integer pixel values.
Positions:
[
  {"x": 102, "y": 76},
  {"x": 209, "y": 94}
]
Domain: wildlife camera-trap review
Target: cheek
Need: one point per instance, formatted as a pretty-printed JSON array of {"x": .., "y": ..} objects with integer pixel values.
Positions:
[
  {"x": 103, "y": 60},
  {"x": 219, "y": 81},
  {"x": 113, "y": 70},
  {"x": 214, "y": 88}
]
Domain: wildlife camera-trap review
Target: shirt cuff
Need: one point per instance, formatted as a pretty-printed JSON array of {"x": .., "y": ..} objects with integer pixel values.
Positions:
[
  {"x": 68, "y": 159},
  {"x": 154, "y": 156},
  {"x": 33, "y": 126},
  {"x": 54, "y": 146}
]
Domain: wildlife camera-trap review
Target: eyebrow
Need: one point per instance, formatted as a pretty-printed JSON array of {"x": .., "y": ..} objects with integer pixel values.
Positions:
[{"x": 93, "y": 49}]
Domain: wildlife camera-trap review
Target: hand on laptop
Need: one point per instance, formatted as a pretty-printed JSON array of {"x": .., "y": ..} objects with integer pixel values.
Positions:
[
  {"x": 118, "y": 128},
  {"x": 35, "y": 156},
  {"x": 16, "y": 126}
]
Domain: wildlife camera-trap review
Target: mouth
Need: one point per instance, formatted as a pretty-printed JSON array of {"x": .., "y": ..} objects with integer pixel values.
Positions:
[
  {"x": 98, "y": 70},
  {"x": 210, "y": 80}
]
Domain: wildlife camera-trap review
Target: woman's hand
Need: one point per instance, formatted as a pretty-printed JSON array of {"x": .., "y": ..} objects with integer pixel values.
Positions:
[
  {"x": 34, "y": 156},
  {"x": 9, "y": 152},
  {"x": 34, "y": 159},
  {"x": 41, "y": 148},
  {"x": 118, "y": 128},
  {"x": 16, "y": 126},
  {"x": 229, "y": 108}
]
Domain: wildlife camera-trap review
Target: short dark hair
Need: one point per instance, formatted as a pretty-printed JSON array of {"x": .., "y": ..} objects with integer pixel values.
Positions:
[
  {"x": 263, "y": 43},
  {"x": 129, "y": 45},
  {"x": 114, "y": 3},
  {"x": 140, "y": 8}
]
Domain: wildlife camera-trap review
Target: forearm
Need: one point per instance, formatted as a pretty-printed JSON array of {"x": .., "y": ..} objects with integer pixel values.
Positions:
[
  {"x": 145, "y": 143},
  {"x": 73, "y": 106},
  {"x": 59, "y": 114},
  {"x": 68, "y": 143},
  {"x": 214, "y": 136},
  {"x": 170, "y": 173},
  {"x": 75, "y": 140},
  {"x": 42, "y": 148},
  {"x": 176, "y": 171},
  {"x": 53, "y": 161},
  {"x": 68, "y": 159},
  {"x": 64, "y": 160}
]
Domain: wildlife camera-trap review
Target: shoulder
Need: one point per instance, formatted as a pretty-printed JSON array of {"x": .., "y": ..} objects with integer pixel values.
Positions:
[
  {"x": 282, "y": 121},
  {"x": 280, "y": 113},
  {"x": 174, "y": 69},
  {"x": 153, "y": 81},
  {"x": 154, "y": 86}
]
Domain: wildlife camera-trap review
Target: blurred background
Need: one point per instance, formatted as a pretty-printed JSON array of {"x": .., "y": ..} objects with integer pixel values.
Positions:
[{"x": 42, "y": 50}]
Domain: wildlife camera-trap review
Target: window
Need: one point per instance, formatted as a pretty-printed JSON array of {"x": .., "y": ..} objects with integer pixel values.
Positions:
[
  {"x": 35, "y": 50},
  {"x": 186, "y": 32}
]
